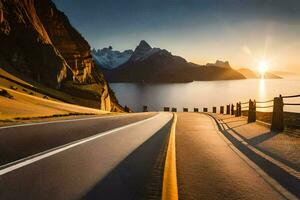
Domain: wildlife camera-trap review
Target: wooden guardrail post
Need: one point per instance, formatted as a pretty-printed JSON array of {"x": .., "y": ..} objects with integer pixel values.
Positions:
[
  {"x": 277, "y": 116},
  {"x": 205, "y": 109},
  {"x": 167, "y": 109},
  {"x": 240, "y": 109},
  {"x": 185, "y": 110},
  {"x": 126, "y": 109},
  {"x": 145, "y": 108},
  {"x": 232, "y": 109},
  {"x": 174, "y": 109},
  {"x": 214, "y": 109},
  {"x": 228, "y": 109},
  {"x": 237, "y": 110},
  {"x": 222, "y": 109},
  {"x": 196, "y": 109},
  {"x": 252, "y": 111}
]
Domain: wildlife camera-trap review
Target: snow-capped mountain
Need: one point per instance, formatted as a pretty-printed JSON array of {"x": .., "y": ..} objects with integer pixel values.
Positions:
[
  {"x": 143, "y": 51},
  {"x": 110, "y": 59},
  {"x": 148, "y": 64}
]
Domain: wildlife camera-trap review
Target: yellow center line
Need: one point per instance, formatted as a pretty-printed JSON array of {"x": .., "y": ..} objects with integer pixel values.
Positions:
[{"x": 170, "y": 188}]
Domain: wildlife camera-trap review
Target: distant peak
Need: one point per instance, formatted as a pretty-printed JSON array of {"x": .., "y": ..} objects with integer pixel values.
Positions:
[
  {"x": 141, "y": 51},
  {"x": 220, "y": 63},
  {"x": 144, "y": 45}
]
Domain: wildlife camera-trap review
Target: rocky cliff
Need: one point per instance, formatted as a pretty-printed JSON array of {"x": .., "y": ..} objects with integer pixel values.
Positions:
[{"x": 38, "y": 41}]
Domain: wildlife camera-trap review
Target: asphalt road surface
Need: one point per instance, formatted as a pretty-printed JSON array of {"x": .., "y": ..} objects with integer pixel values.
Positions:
[
  {"x": 17, "y": 142},
  {"x": 116, "y": 164},
  {"x": 123, "y": 157}
]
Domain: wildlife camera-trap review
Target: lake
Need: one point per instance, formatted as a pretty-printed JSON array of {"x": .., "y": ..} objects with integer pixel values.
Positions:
[{"x": 205, "y": 93}]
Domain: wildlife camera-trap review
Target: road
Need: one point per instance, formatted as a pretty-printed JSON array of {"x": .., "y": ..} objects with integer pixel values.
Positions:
[
  {"x": 110, "y": 165},
  {"x": 207, "y": 168},
  {"x": 124, "y": 157},
  {"x": 18, "y": 142}
]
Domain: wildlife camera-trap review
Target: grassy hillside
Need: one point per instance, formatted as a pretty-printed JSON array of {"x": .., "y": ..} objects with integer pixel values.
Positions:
[{"x": 20, "y": 100}]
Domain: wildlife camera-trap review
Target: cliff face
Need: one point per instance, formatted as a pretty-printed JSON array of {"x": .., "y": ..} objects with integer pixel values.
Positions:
[
  {"x": 73, "y": 47},
  {"x": 26, "y": 45},
  {"x": 38, "y": 41}
]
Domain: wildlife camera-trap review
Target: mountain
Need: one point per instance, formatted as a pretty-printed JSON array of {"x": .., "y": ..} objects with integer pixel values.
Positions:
[
  {"x": 284, "y": 73},
  {"x": 152, "y": 65},
  {"x": 143, "y": 51},
  {"x": 249, "y": 74},
  {"x": 269, "y": 75},
  {"x": 219, "y": 63},
  {"x": 40, "y": 46},
  {"x": 109, "y": 59}
]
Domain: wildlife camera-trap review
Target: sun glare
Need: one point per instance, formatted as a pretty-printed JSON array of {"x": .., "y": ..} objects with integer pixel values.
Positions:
[{"x": 263, "y": 67}]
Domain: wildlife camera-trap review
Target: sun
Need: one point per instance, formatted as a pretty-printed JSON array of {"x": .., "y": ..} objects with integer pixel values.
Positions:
[{"x": 263, "y": 67}]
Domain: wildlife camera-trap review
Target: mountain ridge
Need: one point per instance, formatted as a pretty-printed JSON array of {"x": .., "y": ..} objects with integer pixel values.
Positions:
[
  {"x": 249, "y": 74},
  {"x": 109, "y": 59},
  {"x": 149, "y": 64}
]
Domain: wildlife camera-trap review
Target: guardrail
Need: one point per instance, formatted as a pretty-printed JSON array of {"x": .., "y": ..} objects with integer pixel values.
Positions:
[
  {"x": 277, "y": 122},
  {"x": 277, "y": 118}
]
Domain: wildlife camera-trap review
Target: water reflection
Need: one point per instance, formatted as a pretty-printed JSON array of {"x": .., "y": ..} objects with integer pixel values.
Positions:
[
  {"x": 202, "y": 94},
  {"x": 262, "y": 89},
  {"x": 262, "y": 97}
]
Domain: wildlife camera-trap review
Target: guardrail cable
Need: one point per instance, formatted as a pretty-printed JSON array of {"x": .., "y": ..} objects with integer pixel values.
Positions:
[
  {"x": 265, "y": 101},
  {"x": 268, "y": 101},
  {"x": 264, "y": 106},
  {"x": 291, "y": 96},
  {"x": 291, "y": 104}
]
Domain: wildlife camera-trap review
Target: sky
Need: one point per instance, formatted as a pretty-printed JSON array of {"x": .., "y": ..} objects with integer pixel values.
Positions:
[{"x": 243, "y": 32}]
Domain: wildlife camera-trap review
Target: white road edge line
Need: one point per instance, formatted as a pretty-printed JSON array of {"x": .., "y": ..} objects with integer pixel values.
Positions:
[
  {"x": 61, "y": 121},
  {"x": 268, "y": 179},
  {"x": 57, "y": 150}
]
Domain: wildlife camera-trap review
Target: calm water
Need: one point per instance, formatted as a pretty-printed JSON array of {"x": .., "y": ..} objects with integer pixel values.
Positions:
[{"x": 204, "y": 93}]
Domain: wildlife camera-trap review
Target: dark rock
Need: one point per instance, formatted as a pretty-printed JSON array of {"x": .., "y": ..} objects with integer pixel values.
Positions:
[
  {"x": 4, "y": 93},
  {"x": 39, "y": 42}
]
